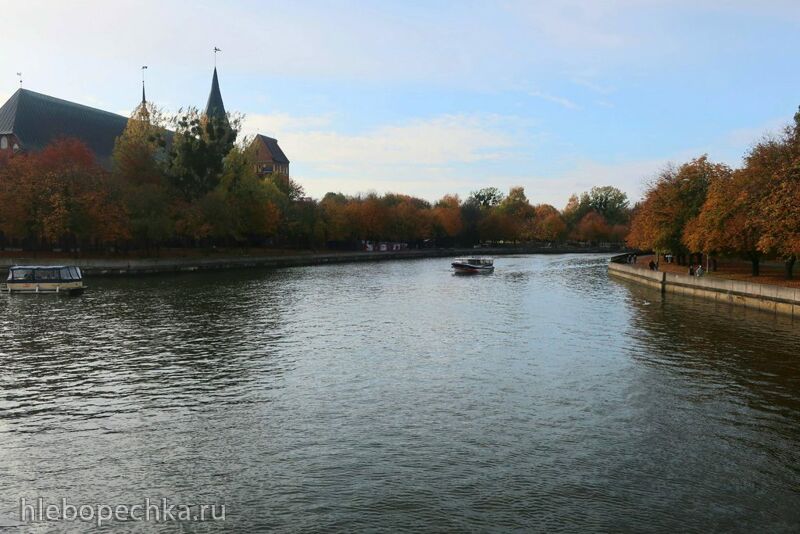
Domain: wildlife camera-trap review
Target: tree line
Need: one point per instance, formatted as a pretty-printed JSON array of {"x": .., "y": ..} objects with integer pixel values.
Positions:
[
  {"x": 187, "y": 182},
  {"x": 702, "y": 207}
]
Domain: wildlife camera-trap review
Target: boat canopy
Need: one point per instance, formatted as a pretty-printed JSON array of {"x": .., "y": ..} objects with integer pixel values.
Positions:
[
  {"x": 44, "y": 273},
  {"x": 476, "y": 260}
]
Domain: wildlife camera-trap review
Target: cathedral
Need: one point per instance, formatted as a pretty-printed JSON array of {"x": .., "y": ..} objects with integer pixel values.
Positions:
[{"x": 29, "y": 121}]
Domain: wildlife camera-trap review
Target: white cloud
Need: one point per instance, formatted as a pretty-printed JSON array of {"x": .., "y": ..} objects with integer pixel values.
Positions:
[
  {"x": 629, "y": 176},
  {"x": 751, "y": 135},
  {"x": 575, "y": 23},
  {"x": 459, "y": 153},
  {"x": 561, "y": 101},
  {"x": 424, "y": 156},
  {"x": 280, "y": 123},
  {"x": 441, "y": 140}
]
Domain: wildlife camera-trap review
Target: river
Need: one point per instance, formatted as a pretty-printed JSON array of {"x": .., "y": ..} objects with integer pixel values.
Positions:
[{"x": 396, "y": 396}]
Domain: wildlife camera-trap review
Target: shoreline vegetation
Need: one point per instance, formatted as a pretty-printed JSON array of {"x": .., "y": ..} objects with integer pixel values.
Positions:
[
  {"x": 701, "y": 212},
  {"x": 191, "y": 182}
]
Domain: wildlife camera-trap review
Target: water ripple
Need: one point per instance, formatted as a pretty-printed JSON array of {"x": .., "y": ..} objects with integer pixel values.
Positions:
[{"x": 397, "y": 397}]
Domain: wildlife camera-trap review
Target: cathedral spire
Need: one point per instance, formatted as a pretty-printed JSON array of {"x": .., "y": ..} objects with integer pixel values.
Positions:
[
  {"x": 141, "y": 110},
  {"x": 215, "y": 108},
  {"x": 144, "y": 99}
]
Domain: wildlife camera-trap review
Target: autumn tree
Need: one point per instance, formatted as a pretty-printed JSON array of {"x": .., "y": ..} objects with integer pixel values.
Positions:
[
  {"x": 140, "y": 153},
  {"x": 726, "y": 221},
  {"x": 779, "y": 214},
  {"x": 519, "y": 215},
  {"x": 549, "y": 225},
  {"x": 593, "y": 228},
  {"x": 333, "y": 211},
  {"x": 139, "y": 170},
  {"x": 671, "y": 201},
  {"x": 60, "y": 196},
  {"x": 368, "y": 217},
  {"x": 407, "y": 218},
  {"x": 497, "y": 226},
  {"x": 447, "y": 221},
  {"x": 781, "y": 218},
  {"x": 576, "y": 208}
]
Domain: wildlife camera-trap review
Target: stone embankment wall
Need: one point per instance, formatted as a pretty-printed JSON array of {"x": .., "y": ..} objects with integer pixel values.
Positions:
[{"x": 776, "y": 299}]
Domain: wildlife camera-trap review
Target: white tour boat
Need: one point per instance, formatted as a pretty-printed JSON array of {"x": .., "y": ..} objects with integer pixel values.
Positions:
[
  {"x": 44, "y": 279},
  {"x": 473, "y": 265}
]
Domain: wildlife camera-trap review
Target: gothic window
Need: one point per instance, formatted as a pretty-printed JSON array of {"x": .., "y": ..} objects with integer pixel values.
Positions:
[{"x": 3, "y": 143}]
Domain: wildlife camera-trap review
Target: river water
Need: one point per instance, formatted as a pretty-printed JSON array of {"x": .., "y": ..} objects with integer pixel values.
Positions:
[{"x": 397, "y": 396}]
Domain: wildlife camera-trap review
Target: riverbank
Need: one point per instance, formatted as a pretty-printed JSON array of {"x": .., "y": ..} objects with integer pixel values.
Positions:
[
  {"x": 772, "y": 272},
  {"x": 766, "y": 297},
  {"x": 143, "y": 266}
]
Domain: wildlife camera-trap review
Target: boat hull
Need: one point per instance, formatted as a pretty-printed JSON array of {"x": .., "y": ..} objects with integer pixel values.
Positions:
[
  {"x": 65, "y": 288},
  {"x": 466, "y": 268}
]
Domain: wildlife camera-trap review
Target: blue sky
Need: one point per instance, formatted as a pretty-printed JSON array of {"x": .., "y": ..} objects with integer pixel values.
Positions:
[{"x": 429, "y": 98}]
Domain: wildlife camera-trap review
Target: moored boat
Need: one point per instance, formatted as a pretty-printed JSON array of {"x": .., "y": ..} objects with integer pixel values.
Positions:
[
  {"x": 44, "y": 279},
  {"x": 473, "y": 265}
]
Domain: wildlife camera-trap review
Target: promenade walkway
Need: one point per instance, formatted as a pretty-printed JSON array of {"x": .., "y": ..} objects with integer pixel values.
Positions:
[{"x": 772, "y": 273}]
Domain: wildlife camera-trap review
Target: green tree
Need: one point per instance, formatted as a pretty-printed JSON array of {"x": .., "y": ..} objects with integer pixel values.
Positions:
[
  {"x": 609, "y": 202},
  {"x": 198, "y": 150},
  {"x": 486, "y": 197},
  {"x": 252, "y": 211}
]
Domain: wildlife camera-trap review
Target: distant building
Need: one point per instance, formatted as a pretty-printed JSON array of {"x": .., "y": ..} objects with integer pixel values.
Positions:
[
  {"x": 30, "y": 121},
  {"x": 269, "y": 158}
]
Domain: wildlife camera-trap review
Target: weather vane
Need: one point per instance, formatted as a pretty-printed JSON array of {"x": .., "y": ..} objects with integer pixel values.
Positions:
[
  {"x": 19, "y": 75},
  {"x": 215, "y": 55}
]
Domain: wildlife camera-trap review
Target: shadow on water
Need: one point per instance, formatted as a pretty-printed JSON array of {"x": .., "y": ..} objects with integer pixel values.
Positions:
[{"x": 745, "y": 350}]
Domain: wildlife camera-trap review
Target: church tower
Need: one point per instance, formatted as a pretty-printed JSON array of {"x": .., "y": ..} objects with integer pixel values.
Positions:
[
  {"x": 141, "y": 112},
  {"x": 215, "y": 109}
]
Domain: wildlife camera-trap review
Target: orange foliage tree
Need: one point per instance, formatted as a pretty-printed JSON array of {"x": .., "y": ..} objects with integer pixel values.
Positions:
[
  {"x": 779, "y": 215},
  {"x": 726, "y": 221},
  {"x": 671, "y": 201},
  {"x": 549, "y": 225},
  {"x": 592, "y": 227},
  {"x": 447, "y": 220},
  {"x": 60, "y": 195}
]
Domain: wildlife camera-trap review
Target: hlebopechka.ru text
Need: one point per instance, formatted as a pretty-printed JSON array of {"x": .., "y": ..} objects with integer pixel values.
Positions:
[{"x": 159, "y": 510}]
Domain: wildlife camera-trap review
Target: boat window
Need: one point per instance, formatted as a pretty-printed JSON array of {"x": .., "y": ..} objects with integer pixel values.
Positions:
[
  {"x": 65, "y": 274},
  {"x": 47, "y": 274},
  {"x": 76, "y": 273},
  {"x": 22, "y": 274}
]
